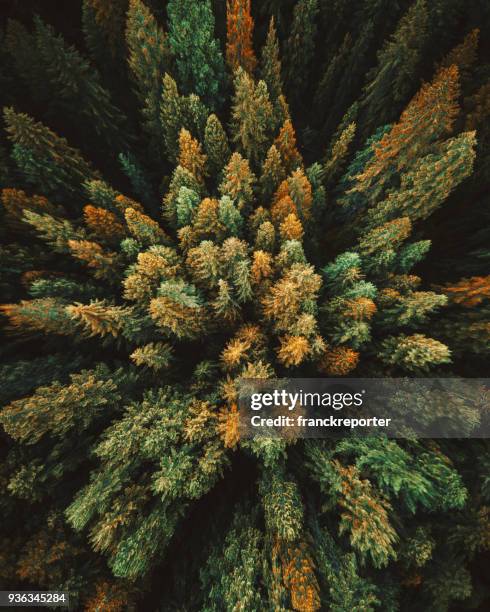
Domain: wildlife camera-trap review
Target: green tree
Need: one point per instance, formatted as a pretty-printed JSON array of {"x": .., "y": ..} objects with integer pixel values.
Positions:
[
  {"x": 198, "y": 57},
  {"x": 270, "y": 64},
  {"x": 252, "y": 116},
  {"x": 392, "y": 80},
  {"x": 300, "y": 46},
  {"x": 216, "y": 145},
  {"x": 45, "y": 159},
  {"x": 149, "y": 59}
]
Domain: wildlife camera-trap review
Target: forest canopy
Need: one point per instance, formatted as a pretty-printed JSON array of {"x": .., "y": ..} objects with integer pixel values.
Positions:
[{"x": 193, "y": 192}]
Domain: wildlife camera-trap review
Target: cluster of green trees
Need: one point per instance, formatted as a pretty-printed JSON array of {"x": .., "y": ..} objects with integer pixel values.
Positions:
[{"x": 197, "y": 193}]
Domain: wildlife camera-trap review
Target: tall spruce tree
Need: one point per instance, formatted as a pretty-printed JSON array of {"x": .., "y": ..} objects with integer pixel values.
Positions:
[
  {"x": 300, "y": 47},
  {"x": 392, "y": 80},
  {"x": 149, "y": 58},
  {"x": 198, "y": 55},
  {"x": 239, "y": 47}
]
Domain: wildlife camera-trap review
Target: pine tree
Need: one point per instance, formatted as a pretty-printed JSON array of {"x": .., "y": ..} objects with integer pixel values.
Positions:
[
  {"x": 178, "y": 309},
  {"x": 171, "y": 116},
  {"x": 252, "y": 116},
  {"x": 15, "y": 202},
  {"x": 47, "y": 315},
  {"x": 328, "y": 83},
  {"x": 198, "y": 58},
  {"x": 99, "y": 318},
  {"x": 103, "y": 26},
  {"x": 149, "y": 59},
  {"x": 286, "y": 145},
  {"x": 239, "y": 29},
  {"x": 340, "y": 149},
  {"x": 270, "y": 64},
  {"x": 300, "y": 46},
  {"x": 216, "y": 145},
  {"x": 63, "y": 69},
  {"x": 463, "y": 55},
  {"x": 103, "y": 223},
  {"x": 181, "y": 179},
  {"x": 294, "y": 195},
  {"x": 190, "y": 155},
  {"x": 177, "y": 112},
  {"x": 155, "y": 355},
  {"x": 55, "y": 409},
  {"x": 469, "y": 291},
  {"x": 430, "y": 182},
  {"x": 273, "y": 173},
  {"x": 139, "y": 180},
  {"x": 388, "y": 83},
  {"x": 45, "y": 159},
  {"x": 429, "y": 115},
  {"x": 144, "y": 228},
  {"x": 414, "y": 353},
  {"x": 238, "y": 181}
]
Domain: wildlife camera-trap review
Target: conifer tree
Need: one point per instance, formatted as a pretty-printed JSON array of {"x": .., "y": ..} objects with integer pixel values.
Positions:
[
  {"x": 138, "y": 178},
  {"x": 416, "y": 353},
  {"x": 45, "y": 159},
  {"x": 238, "y": 181},
  {"x": 171, "y": 116},
  {"x": 198, "y": 58},
  {"x": 286, "y": 145},
  {"x": 252, "y": 116},
  {"x": 390, "y": 81},
  {"x": 428, "y": 116},
  {"x": 273, "y": 173},
  {"x": 340, "y": 149},
  {"x": 239, "y": 29},
  {"x": 103, "y": 26},
  {"x": 178, "y": 111},
  {"x": 149, "y": 59},
  {"x": 300, "y": 46},
  {"x": 216, "y": 144},
  {"x": 190, "y": 155},
  {"x": 61, "y": 68},
  {"x": 463, "y": 55},
  {"x": 270, "y": 64},
  {"x": 429, "y": 182},
  {"x": 329, "y": 81}
]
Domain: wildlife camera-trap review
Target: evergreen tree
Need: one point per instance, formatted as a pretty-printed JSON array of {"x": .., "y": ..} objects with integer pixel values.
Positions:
[
  {"x": 216, "y": 145},
  {"x": 391, "y": 81},
  {"x": 328, "y": 84},
  {"x": 198, "y": 57},
  {"x": 414, "y": 353},
  {"x": 428, "y": 116},
  {"x": 69, "y": 84},
  {"x": 286, "y": 145},
  {"x": 300, "y": 46},
  {"x": 252, "y": 116},
  {"x": 238, "y": 181},
  {"x": 177, "y": 112},
  {"x": 45, "y": 159},
  {"x": 149, "y": 59},
  {"x": 103, "y": 27},
  {"x": 273, "y": 173},
  {"x": 270, "y": 65},
  {"x": 239, "y": 45}
]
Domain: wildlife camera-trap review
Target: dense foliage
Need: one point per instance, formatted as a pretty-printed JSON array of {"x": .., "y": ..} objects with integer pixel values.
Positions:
[{"x": 193, "y": 193}]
